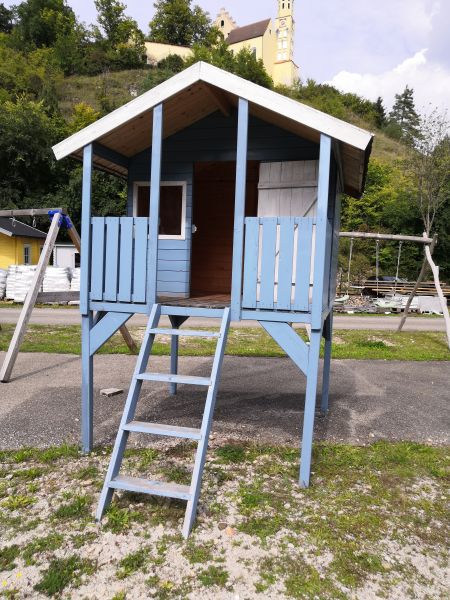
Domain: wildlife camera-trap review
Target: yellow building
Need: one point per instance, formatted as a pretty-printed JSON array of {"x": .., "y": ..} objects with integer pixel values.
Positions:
[
  {"x": 273, "y": 42},
  {"x": 20, "y": 244}
]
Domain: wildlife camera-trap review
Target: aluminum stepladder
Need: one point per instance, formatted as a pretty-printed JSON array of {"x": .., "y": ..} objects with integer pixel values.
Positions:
[{"x": 113, "y": 479}]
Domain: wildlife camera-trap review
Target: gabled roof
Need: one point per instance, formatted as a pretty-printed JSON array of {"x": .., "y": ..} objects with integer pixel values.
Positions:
[
  {"x": 14, "y": 228},
  {"x": 199, "y": 91},
  {"x": 248, "y": 32}
]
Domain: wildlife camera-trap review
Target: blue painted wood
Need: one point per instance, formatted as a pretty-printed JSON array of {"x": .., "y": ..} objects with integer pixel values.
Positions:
[
  {"x": 146, "y": 486},
  {"x": 303, "y": 267},
  {"x": 251, "y": 262},
  {"x": 268, "y": 257},
  {"x": 208, "y": 412},
  {"x": 328, "y": 334},
  {"x": 191, "y": 311},
  {"x": 172, "y": 378},
  {"x": 128, "y": 413},
  {"x": 87, "y": 385},
  {"x": 269, "y": 315},
  {"x": 181, "y": 266},
  {"x": 112, "y": 258},
  {"x": 321, "y": 230},
  {"x": 239, "y": 209},
  {"x": 119, "y": 307},
  {"x": 171, "y": 286},
  {"x": 141, "y": 226},
  {"x": 310, "y": 407},
  {"x": 176, "y": 276},
  {"x": 285, "y": 263},
  {"x": 98, "y": 257},
  {"x": 155, "y": 178},
  {"x": 105, "y": 328},
  {"x": 85, "y": 275},
  {"x": 289, "y": 341},
  {"x": 189, "y": 433},
  {"x": 111, "y": 155},
  {"x": 126, "y": 259},
  {"x": 176, "y": 322}
]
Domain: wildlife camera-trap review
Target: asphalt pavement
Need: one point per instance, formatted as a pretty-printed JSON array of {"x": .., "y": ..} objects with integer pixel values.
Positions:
[
  {"x": 71, "y": 316},
  {"x": 260, "y": 399}
]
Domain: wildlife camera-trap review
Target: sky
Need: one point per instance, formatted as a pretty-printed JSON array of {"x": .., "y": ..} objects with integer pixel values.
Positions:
[{"x": 370, "y": 48}]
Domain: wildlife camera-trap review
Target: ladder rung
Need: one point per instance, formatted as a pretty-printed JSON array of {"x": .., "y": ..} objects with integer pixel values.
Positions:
[
  {"x": 187, "y": 332},
  {"x": 171, "y": 378},
  {"x": 189, "y": 433},
  {"x": 146, "y": 486}
]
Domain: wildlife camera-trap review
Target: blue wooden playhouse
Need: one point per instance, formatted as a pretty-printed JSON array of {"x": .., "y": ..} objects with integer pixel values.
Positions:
[{"x": 233, "y": 212}]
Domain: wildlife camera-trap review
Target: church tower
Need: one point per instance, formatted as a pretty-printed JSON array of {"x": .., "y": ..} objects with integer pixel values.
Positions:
[{"x": 285, "y": 70}]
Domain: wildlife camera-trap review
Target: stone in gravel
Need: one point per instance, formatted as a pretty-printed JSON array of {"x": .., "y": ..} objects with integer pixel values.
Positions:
[
  {"x": 230, "y": 531},
  {"x": 222, "y": 526},
  {"x": 111, "y": 392}
]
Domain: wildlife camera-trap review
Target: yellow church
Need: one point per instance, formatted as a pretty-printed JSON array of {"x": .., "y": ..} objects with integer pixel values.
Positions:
[{"x": 271, "y": 41}]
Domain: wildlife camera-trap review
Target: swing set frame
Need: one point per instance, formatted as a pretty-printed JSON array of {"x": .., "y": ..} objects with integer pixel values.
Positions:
[
  {"x": 429, "y": 245},
  {"x": 59, "y": 218}
]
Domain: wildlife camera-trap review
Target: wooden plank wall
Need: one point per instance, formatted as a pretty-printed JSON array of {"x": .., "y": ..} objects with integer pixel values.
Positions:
[{"x": 212, "y": 139}]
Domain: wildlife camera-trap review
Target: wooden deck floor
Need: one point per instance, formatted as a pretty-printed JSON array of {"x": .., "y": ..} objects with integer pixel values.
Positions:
[{"x": 198, "y": 301}]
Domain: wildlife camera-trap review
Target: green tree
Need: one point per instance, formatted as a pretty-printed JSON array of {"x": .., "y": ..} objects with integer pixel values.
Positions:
[
  {"x": 177, "y": 22},
  {"x": 380, "y": 113},
  {"x": 41, "y": 22},
  {"x": 6, "y": 19},
  {"x": 404, "y": 121},
  {"x": 123, "y": 41},
  {"x": 27, "y": 166}
]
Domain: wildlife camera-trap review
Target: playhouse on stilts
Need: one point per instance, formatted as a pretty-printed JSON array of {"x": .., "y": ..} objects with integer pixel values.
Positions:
[{"x": 233, "y": 212}]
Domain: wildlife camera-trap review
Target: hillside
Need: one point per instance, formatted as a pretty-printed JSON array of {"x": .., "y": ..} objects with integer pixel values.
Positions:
[{"x": 110, "y": 90}]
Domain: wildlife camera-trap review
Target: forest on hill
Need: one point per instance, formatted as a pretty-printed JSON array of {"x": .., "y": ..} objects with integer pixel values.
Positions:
[{"x": 58, "y": 75}]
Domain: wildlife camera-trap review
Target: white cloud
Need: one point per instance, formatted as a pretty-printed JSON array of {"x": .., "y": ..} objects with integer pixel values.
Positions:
[{"x": 430, "y": 81}]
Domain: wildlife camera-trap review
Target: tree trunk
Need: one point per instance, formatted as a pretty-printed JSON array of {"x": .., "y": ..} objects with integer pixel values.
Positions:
[{"x": 416, "y": 287}]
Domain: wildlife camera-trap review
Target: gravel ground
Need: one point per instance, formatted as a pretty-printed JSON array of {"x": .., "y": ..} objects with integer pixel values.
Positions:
[{"x": 373, "y": 524}]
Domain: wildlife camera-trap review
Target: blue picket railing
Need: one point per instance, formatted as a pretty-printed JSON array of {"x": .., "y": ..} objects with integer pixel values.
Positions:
[{"x": 277, "y": 263}]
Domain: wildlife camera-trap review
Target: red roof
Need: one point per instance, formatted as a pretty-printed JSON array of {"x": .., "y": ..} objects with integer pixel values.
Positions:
[{"x": 248, "y": 32}]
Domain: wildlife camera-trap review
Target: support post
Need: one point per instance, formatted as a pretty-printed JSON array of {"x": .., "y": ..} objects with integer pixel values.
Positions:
[
  {"x": 328, "y": 335},
  {"x": 321, "y": 231},
  {"x": 176, "y": 322},
  {"x": 21, "y": 327},
  {"x": 417, "y": 284},
  {"x": 310, "y": 407},
  {"x": 239, "y": 210},
  {"x": 317, "y": 309},
  {"x": 442, "y": 300},
  {"x": 155, "y": 184},
  {"x": 87, "y": 364}
]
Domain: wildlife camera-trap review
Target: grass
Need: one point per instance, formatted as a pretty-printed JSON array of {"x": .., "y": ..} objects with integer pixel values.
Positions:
[
  {"x": 63, "y": 572},
  {"x": 366, "y": 506},
  {"x": 354, "y": 344}
]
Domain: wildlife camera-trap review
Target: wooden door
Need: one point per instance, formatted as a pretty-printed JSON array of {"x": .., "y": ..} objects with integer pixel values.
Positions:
[{"x": 213, "y": 216}]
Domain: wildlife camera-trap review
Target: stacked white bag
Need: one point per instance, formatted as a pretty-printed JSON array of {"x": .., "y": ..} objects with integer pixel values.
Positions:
[
  {"x": 23, "y": 279},
  {"x": 56, "y": 279},
  {"x": 3, "y": 275},
  {"x": 11, "y": 282},
  {"x": 75, "y": 283}
]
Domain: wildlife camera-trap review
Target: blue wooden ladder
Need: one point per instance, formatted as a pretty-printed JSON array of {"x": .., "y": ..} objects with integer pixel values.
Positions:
[{"x": 115, "y": 481}]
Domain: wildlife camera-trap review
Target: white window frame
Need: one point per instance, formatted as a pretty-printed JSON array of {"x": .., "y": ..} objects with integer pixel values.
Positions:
[
  {"x": 27, "y": 247},
  {"x": 183, "y": 185}
]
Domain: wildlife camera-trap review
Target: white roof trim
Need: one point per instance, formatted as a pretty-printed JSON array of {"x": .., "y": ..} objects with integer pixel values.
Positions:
[
  {"x": 301, "y": 113},
  {"x": 8, "y": 233}
]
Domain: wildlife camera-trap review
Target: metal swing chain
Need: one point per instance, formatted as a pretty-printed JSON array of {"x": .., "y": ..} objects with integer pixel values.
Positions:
[
  {"x": 377, "y": 265},
  {"x": 349, "y": 263},
  {"x": 398, "y": 266}
]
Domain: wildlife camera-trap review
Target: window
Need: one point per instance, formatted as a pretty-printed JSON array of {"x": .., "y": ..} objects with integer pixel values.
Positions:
[
  {"x": 278, "y": 55},
  {"x": 26, "y": 254},
  {"x": 280, "y": 45},
  {"x": 284, "y": 43},
  {"x": 172, "y": 207},
  {"x": 254, "y": 51},
  {"x": 222, "y": 23}
]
